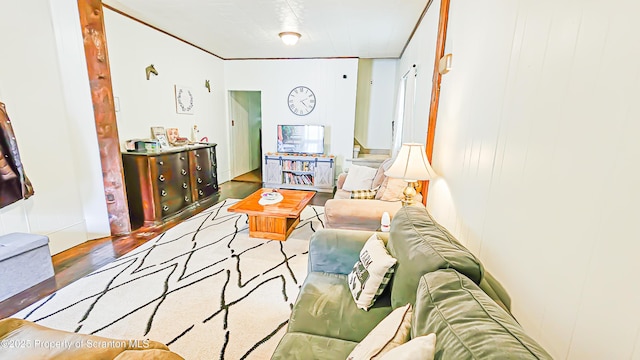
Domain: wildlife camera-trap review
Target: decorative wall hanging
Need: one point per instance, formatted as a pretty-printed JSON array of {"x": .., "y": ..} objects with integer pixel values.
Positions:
[
  {"x": 151, "y": 70},
  {"x": 14, "y": 184},
  {"x": 184, "y": 100}
]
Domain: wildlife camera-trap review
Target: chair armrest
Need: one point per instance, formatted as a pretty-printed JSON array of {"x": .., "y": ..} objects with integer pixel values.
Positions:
[{"x": 335, "y": 250}]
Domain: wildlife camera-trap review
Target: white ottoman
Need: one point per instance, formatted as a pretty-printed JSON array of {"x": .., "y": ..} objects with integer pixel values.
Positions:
[{"x": 25, "y": 261}]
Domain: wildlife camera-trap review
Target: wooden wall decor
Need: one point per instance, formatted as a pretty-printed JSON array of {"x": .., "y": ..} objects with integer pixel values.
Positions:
[
  {"x": 95, "y": 49},
  {"x": 435, "y": 89}
]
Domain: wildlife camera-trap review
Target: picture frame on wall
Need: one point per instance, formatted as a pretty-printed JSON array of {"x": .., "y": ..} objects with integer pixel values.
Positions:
[{"x": 184, "y": 100}]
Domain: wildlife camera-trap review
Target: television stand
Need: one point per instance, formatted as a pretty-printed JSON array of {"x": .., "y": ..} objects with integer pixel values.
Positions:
[{"x": 299, "y": 172}]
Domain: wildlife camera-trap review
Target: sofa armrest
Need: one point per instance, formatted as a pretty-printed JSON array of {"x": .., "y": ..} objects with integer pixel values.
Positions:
[
  {"x": 496, "y": 291},
  {"x": 340, "y": 181},
  {"x": 336, "y": 251},
  {"x": 357, "y": 214}
]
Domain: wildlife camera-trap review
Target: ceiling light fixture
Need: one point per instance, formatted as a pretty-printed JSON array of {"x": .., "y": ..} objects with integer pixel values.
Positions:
[{"x": 289, "y": 37}]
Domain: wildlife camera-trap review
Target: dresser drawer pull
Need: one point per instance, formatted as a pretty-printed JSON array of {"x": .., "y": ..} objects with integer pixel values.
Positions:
[
  {"x": 184, "y": 185},
  {"x": 200, "y": 192},
  {"x": 197, "y": 155},
  {"x": 165, "y": 207},
  {"x": 163, "y": 192},
  {"x": 181, "y": 157},
  {"x": 186, "y": 198},
  {"x": 199, "y": 181},
  {"x": 161, "y": 162},
  {"x": 161, "y": 177},
  {"x": 198, "y": 167},
  {"x": 184, "y": 172}
]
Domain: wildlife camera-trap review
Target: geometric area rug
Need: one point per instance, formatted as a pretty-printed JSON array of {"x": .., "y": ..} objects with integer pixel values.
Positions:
[{"x": 203, "y": 287}]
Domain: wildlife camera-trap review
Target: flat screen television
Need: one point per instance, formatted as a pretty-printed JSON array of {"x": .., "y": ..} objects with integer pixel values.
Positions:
[{"x": 301, "y": 139}]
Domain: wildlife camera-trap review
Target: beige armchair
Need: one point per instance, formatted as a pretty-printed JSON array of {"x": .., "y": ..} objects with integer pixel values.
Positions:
[{"x": 342, "y": 212}]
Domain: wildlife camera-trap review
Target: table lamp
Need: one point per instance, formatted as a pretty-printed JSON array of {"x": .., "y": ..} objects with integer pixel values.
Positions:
[{"x": 411, "y": 165}]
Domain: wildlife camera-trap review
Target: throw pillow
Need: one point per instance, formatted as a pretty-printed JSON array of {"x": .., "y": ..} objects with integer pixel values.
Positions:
[
  {"x": 393, "y": 331},
  {"x": 358, "y": 178},
  {"x": 420, "y": 348},
  {"x": 364, "y": 194},
  {"x": 380, "y": 176},
  {"x": 393, "y": 189},
  {"x": 371, "y": 273}
]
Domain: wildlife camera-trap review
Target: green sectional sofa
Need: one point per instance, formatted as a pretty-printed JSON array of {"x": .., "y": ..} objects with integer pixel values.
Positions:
[{"x": 451, "y": 293}]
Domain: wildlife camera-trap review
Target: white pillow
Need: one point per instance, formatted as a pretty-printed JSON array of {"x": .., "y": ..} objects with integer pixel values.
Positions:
[
  {"x": 393, "y": 331},
  {"x": 371, "y": 273},
  {"x": 420, "y": 348},
  {"x": 359, "y": 178}
]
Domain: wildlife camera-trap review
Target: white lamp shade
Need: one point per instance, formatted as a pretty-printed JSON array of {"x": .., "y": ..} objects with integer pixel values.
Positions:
[{"x": 411, "y": 164}]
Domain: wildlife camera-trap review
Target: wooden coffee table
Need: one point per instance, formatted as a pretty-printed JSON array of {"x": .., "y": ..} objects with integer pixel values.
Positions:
[{"x": 275, "y": 221}]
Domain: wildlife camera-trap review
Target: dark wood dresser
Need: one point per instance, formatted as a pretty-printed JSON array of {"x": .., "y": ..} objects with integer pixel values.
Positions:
[{"x": 161, "y": 185}]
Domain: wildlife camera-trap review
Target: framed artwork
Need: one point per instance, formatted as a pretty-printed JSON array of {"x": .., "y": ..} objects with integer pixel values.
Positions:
[
  {"x": 160, "y": 134},
  {"x": 184, "y": 100},
  {"x": 157, "y": 130},
  {"x": 162, "y": 139},
  {"x": 173, "y": 135}
]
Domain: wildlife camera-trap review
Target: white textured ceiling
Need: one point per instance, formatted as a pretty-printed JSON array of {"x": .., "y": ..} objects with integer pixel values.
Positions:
[{"x": 236, "y": 29}]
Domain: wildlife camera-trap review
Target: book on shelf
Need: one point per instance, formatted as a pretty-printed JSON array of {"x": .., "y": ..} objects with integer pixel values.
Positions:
[
  {"x": 305, "y": 179},
  {"x": 297, "y": 165}
]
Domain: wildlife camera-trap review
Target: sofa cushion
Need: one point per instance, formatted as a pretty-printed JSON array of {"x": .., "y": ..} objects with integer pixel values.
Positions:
[
  {"x": 371, "y": 273},
  {"x": 421, "y": 245},
  {"x": 467, "y": 323},
  {"x": 359, "y": 178},
  {"x": 392, "y": 189},
  {"x": 391, "y": 332},
  {"x": 301, "y": 346},
  {"x": 324, "y": 303},
  {"x": 420, "y": 348},
  {"x": 363, "y": 194},
  {"x": 380, "y": 176}
]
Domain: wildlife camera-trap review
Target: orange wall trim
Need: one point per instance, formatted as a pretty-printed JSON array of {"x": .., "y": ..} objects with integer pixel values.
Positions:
[
  {"x": 435, "y": 89},
  {"x": 95, "y": 49}
]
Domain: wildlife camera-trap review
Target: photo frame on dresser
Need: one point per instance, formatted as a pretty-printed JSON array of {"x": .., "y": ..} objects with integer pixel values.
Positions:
[{"x": 160, "y": 134}]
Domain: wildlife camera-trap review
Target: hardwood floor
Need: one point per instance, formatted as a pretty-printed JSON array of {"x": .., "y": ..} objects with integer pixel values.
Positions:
[{"x": 72, "y": 264}]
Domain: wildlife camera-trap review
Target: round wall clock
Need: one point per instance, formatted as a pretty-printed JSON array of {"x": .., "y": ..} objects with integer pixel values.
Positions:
[{"x": 301, "y": 100}]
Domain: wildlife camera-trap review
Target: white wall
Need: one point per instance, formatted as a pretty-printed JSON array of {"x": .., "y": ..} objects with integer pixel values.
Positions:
[
  {"x": 336, "y": 97},
  {"x": 363, "y": 101},
  {"x": 36, "y": 96},
  {"x": 421, "y": 53},
  {"x": 146, "y": 103},
  {"x": 375, "y": 102},
  {"x": 537, "y": 148},
  {"x": 254, "y": 105},
  {"x": 77, "y": 95}
]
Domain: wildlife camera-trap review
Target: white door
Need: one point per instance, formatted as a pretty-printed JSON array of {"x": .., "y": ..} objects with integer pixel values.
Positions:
[{"x": 241, "y": 156}]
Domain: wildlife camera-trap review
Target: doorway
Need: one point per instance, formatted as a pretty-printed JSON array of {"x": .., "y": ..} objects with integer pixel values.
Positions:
[{"x": 246, "y": 135}]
